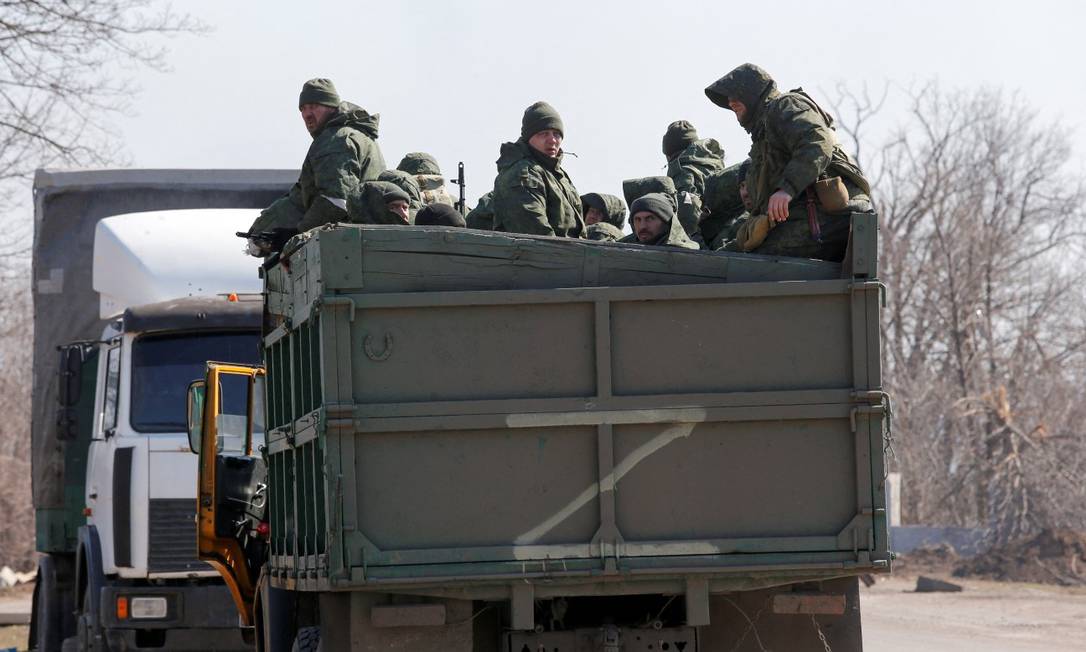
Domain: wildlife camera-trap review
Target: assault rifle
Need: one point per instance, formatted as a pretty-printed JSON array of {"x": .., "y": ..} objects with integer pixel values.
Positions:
[
  {"x": 461, "y": 205},
  {"x": 274, "y": 239}
]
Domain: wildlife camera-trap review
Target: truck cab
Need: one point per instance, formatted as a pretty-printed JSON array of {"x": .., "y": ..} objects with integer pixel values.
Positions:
[{"x": 175, "y": 290}]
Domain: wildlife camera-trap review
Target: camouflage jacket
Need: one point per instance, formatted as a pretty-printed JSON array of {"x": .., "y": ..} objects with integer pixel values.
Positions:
[
  {"x": 343, "y": 155},
  {"x": 482, "y": 216},
  {"x": 603, "y": 232},
  {"x": 693, "y": 165},
  {"x": 793, "y": 143},
  {"x": 533, "y": 194},
  {"x": 721, "y": 206}
]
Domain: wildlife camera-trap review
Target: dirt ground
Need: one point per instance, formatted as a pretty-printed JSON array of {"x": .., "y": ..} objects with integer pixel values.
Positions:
[{"x": 986, "y": 616}]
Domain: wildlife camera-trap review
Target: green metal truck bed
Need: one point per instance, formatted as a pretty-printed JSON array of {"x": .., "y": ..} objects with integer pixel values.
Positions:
[{"x": 464, "y": 413}]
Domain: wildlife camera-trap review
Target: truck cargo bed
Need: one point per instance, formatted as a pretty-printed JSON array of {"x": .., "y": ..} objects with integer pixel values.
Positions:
[{"x": 453, "y": 412}]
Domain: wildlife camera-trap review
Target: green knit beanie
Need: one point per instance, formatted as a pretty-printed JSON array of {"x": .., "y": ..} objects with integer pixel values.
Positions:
[
  {"x": 656, "y": 203},
  {"x": 538, "y": 117},
  {"x": 679, "y": 135},
  {"x": 319, "y": 91}
]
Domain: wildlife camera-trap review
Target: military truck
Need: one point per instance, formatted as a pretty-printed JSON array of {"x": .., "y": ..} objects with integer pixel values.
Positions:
[
  {"x": 482, "y": 441},
  {"x": 135, "y": 297}
]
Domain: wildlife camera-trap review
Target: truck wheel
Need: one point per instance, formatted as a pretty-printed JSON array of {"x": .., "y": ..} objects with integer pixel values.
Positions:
[
  {"x": 307, "y": 640},
  {"x": 52, "y": 608}
]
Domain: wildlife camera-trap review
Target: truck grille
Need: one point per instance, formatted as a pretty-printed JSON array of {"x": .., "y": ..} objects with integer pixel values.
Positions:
[{"x": 172, "y": 536}]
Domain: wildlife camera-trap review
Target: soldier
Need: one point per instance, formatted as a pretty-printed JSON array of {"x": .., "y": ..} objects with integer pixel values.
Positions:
[
  {"x": 408, "y": 184},
  {"x": 482, "y": 216},
  {"x": 722, "y": 205},
  {"x": 427, "y": 173},
  {"x": 342, "y": 156},
  {"x": 439, "y": 215},
  {"x": 604, "y": 217},
  {"x": 793, "y": 147},
  {"x": 379, "y": 202},
  {"x": 532, "y": 193},
  {"x": 687, "y": 205},
  {"x": 690, "y": 161},
  {"x": 654, "y": 223}
]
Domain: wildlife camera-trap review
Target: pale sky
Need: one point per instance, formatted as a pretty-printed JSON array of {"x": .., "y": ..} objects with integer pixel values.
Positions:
[{"x": 453, "y": 77}]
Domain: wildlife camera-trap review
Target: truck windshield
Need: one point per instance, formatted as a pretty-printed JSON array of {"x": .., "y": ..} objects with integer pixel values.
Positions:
[{"x": 164, "y": 365}]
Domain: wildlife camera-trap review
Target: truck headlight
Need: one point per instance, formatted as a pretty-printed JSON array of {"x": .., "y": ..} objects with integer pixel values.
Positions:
[{"x": 147, "y": 607}]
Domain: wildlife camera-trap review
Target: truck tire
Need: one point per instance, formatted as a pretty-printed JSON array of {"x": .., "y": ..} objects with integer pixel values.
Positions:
[
  {"x": 52, "y": 620},
  {"x": 307, "y": 640}
]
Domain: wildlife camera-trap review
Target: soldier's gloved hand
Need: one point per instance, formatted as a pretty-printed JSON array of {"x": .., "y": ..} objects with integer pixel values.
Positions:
[
  {"x": 778, "y": 206},
  {"x": 257, "y": 247}
]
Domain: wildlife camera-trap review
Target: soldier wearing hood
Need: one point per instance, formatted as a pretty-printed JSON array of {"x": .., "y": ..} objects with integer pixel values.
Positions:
[
  {"x": 343, "y": 155},
  {"x": 532, "y": 193},
  {"x": 690, "y": 161},
  {"x": 655, "y": 223},
  {"x": 793, "y": 146},
  {"x": 380, "y": 202},
  {"x": 604, "y": 216}
]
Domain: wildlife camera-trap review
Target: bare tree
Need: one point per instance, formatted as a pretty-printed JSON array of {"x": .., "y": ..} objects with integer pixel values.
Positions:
[
  {"x": 985, "y": 321},
  {"x": 58, "y": 85},
  {"x": 62, "y": 82}
]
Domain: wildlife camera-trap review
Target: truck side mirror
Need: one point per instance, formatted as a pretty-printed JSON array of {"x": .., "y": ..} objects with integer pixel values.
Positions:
[
  {"x": 70, "y": 375},
  {"x": 194, "y": 413}
]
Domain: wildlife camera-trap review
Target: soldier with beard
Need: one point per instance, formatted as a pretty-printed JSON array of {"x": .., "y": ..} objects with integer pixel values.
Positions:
[
  {"x": 654, "y": 223},
  {"x": 343, "y": 155}
]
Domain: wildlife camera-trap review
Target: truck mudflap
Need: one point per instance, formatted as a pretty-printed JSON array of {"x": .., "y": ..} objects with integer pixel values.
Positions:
[
  {"x": 606, "y": 639},
  {"x": 197, "y": 618}
]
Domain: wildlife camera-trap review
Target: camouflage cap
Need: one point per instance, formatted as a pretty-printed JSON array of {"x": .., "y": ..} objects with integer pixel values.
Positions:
[
  {"x": 678, "y": 137},
  {"x": 656, "y": 203},
  {"x": 538, "y": 117},
  {"x": 419, "y": 163},
  {"x": 319, "y": 91}
]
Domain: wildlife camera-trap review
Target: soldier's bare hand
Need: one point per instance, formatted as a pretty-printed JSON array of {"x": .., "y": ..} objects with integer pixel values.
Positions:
[{"x": 778, "y": 206}]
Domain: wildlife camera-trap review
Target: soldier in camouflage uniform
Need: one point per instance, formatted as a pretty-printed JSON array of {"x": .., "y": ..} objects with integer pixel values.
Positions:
[
  {"x": 532, "y": 193},
  {"x": 793, "y": 145},
  {"x": 408, "y": 184},
  {"x": 690, "y": 161},
  {"x": 604, "y": 216},
  {"x": 722, "y": 205},
  {"x": 687, "y": 205},
  {"x": 655, "y": 223},
  {"x": 482, "y": 216},
  {"x": 379, "y": 202},
  {"x": 343, "y": 155}
]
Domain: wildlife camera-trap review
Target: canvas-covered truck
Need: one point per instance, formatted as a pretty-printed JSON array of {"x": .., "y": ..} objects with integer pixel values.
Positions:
[
  {"x": 132, "y": 272},
  {"x": 482, "y": 441}
]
